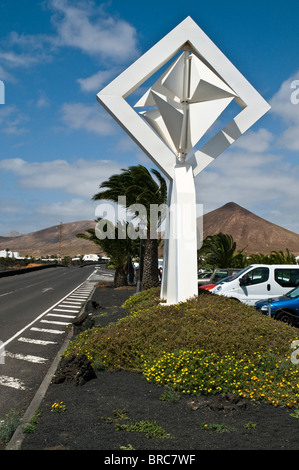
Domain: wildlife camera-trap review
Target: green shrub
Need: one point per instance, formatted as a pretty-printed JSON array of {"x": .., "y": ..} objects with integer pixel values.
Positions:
[
  {"x": 147, "y": 297},
  {"x": 8, "y": 425}
]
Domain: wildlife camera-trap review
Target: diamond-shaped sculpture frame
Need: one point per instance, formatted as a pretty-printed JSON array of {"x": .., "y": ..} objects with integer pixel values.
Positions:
[
  {"x": 112, "y": 97},
  {"x": 179, "y": 281}
]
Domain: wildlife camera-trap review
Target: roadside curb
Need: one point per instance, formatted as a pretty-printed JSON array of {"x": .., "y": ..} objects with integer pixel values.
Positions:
[{"x": 18, "y": 436}]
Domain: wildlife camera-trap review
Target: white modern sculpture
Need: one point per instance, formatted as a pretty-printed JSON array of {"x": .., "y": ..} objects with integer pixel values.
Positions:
[{"x": 188, "y": 98}]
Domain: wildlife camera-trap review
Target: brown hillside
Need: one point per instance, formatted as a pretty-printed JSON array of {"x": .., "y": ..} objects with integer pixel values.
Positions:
[
  {"x": 251, "y": 232},
  {"x": 47, "y": 241}
]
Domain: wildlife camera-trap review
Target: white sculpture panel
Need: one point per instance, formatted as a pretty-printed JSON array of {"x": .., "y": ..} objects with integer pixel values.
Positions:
[{"x": 184, "y": 103}]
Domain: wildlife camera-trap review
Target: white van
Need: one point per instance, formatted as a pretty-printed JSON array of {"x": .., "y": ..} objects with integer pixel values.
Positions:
[{"x": 260, "y": 281}]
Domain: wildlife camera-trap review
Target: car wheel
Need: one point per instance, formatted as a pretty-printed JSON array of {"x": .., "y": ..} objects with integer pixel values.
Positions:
[{"x": 285, "y": 317}]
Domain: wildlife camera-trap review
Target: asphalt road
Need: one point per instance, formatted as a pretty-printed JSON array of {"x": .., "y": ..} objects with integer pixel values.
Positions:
[{"x": 36, "y": 310}]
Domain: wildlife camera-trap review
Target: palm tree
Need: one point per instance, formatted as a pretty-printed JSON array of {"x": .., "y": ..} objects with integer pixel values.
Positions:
[
  {"x": 119, "y": 250},
  {"x": 275, "y": 257},
  {"x": 278, "y": 257},
  {"x": 221, "y": 251},
  {"x": 139, "y": 187}
]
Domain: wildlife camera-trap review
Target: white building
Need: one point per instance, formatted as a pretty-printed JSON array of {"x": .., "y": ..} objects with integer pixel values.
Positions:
[
  {"x": 90, "y": 257},
  {"x": 9, "y": 254}
]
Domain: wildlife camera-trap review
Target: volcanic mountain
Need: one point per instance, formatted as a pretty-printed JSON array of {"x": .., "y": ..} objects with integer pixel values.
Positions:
[
  {"x": 60, "y": 238},
  {"x": 254, "y": 234},
  {"x": 249, "y": 231}
]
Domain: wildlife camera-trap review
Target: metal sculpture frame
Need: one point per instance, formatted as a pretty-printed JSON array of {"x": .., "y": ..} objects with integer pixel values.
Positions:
[{"x": 162, "y": 136}]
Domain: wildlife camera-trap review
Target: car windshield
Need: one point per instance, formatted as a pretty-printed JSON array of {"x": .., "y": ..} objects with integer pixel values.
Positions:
[
  {"x": 239, "y": 274},
  {"x": 225, "y": 279},
  {"x": 293, "y": 293}
]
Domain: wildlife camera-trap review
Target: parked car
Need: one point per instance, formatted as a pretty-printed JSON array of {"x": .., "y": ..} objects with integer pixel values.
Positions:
[
  {"x": 284, "y": 308},
  {"x": 216, "y": 275},
  {"x": 211, "y": 286},
  {"x": 259, "y": 281}
]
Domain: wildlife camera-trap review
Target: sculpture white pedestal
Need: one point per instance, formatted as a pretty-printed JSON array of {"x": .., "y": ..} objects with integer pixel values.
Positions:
[{"x": 179, "y": 280}]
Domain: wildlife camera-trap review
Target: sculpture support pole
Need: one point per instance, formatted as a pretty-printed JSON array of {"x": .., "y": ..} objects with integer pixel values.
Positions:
[{"x": 180, "y": 251}]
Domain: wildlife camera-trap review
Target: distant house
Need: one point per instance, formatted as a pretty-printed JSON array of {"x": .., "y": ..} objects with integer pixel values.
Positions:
[
  {"x": 9, "y": 254},
  {"x": 91, "y": 257}
]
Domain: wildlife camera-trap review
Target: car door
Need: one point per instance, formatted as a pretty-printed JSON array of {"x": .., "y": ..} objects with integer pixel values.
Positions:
[{"x": 254, "y": 285}]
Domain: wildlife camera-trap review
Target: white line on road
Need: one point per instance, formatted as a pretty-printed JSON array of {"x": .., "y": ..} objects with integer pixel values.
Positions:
[
  {"x": 11, "y": 382},
  {"x": 82, "y": 299},
  {"x": 55, "y": 322},
  {"x": 65, "y": 310},
  {"x": 7, "y": 293},
  {"x": 45, "y": 330},
  {"x": 78, "y": 296},
  {"x": 29, "y": 358},
  {"x": 36, "y": 341},
  {"x": 40, "y": 316},
  {"x": 60, "y": 315}
]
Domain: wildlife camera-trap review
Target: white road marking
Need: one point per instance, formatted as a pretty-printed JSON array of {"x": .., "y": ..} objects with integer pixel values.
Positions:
[
  {"x": 78, "y": 296},
  {"x": 75, "y": 303},
  {"x": 40, "y": 316},
  {"x": 64, "y": 310},
  {"x": 56, "y": 322},
  {"x": 45, "y": 330},
  {"x": 60, "y": 315},
  {"x": 11, "y": 382},
  {"x": 36, "y": 341},
  {"x": 29, "y": 358},
  {"x": 7, "y": 293}
]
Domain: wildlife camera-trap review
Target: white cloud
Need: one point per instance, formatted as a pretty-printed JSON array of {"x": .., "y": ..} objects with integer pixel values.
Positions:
[
  {"x": 255, "y": 141},
  {"x": 82, "y": 25},
  {"x": 257, "y": 172},
  {"x": 90, "y": 118},
  {"x": 287, "y": 109},
  {"x": 68, "y": 211},
  {"x": 85, "y": 27},
  {"x": 255, "y": 181},
  {"x": 282, "y": 104},
  {"x": 97, "y": 81},
  {"x": 12, "y": 120},
  {"x": 290, "y": 138},
  {"x": 80, "y": 178},
  {"x": 17, "y": 60}
]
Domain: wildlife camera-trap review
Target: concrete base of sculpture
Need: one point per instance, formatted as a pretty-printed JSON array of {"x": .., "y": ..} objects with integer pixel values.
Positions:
[{"x": 179, "y": 281}]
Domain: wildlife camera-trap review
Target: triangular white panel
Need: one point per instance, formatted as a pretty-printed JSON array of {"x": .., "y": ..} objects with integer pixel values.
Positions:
[
  {"x": 147, "y": 98},
  {"x": 205, "y": 91},
  {"x": 202, "y": 115},
  {"x": 174, "y": 80},
  {"x": 199, "y": 71},
  {"x": 172, "y": 114},
  {"x": 155, "y": 120}
]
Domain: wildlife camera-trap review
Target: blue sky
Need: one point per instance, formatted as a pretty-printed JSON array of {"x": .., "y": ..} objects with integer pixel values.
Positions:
[{"x": 57, "y": 144}]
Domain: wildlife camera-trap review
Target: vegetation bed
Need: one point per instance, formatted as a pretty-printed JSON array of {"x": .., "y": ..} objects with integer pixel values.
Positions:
[{"x": 207, "y": 345}]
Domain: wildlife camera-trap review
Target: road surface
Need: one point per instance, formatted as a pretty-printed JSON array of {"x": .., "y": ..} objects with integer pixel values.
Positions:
[{"x": 36, "y": 310}]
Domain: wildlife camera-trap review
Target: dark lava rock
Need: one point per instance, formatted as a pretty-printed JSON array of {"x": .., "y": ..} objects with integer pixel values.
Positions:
[
  {"x": 85, "y": 321},
  {"x": 74, "y": 370}
]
